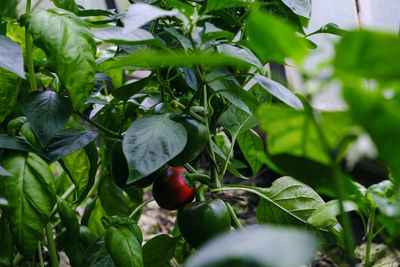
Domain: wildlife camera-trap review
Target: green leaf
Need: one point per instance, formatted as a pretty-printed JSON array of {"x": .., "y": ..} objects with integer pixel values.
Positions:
[
  {"x": 66, "y": 142},
  {"x": 14, "y": 125},
  {"x": 288, "y": 201},
  {"x": 14, "y": 143},
  {"x": 260, "y": 247},
  {"x": 126, "y": 91},
  {"x": 118, "y": 35},
  {"x": 236, "y": 121},
  {"x": 357, "y": 54},
  {"x": 326, "y": 215},
  {"x": 29, "y": 136},
  {"x": 249, "y": 141},
  {"x": 94, "y": 222},
  {"x": 47, "y": 113},
  {"x": 31, "y": 194},
  {"x": 380, "y": 117},
  {"x": 6, "y": 245},
  {"x": 241, "y": 54},
  {"x": 165, "y": 247},
  {"x": 213, "y": 5},
  {"x": 10, "y": 86},
  {"x": 11, "y": 56},
  {"x": 78, "y": 165},
  {"x": 69, "y": 220},
  {"x": 69, "y": 5},
  {"x": 111, "y": 197},
  {"x": 279, "y": 91},
  {"x": 150, "y": 143},
  {"x": 140, "y": 14},
  {"x": 293, "y": 132},
  {"x": 152, "y": 59},
  {"x": 123, "y": 247},
  {"x": 58, "y": 32},
  {"x": 96, "y": 255},
  {"x": 273, "y": 39},
  {"x": 299, "y": 7}
]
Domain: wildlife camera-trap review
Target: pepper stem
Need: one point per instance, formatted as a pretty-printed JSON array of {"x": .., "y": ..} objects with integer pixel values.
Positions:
[
  {"x": 193, "y": 177},
  {"x": 200, "y": 193}
]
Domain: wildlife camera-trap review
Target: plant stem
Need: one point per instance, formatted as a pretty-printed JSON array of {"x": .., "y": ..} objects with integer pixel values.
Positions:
[
  {"x": 68, "y": 192},
  {"x": 28, "y": 48},
  {"x": 370, "y": 236},
  {"x": 214, "y": 173},
  {"x": 51, "y": 245},
  {"x": 200, "y": 193},
  {"x": 97, "y": 125},
  {"x": 228, "y": 156},
  {"x": 339, "y": 186},
  {"x": 140, "y": 207},
  {"x": 190, "y": 168},
  {"x": 40, "y": 254},
  {"x": 17, "y": 259},
  {"x": 234, "y": 217}
]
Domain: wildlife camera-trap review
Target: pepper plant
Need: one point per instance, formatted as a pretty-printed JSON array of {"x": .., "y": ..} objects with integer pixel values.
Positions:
[{"x": 98, "y": 107}]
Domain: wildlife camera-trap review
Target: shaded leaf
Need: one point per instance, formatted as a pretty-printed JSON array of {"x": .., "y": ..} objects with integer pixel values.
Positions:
[
  {"x": 165, "y": 247},
  {"x": 299, "y": 7},
  {"x": 150, "y": 143},
  {"x": 10, "y": 86},
  {"x": 249, "y": 141},
  {"x": 47, "y": 113}
]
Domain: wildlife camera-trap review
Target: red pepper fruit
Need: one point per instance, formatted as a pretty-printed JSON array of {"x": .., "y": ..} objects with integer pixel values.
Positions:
[{"x": 170, "y": 189}]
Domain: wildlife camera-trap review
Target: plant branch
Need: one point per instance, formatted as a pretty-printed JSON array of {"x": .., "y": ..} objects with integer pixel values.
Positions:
[
  {"x": 40, "y": 254},
  {"x": 97, "y": 125},
  {"x": 140, "y": 207},
  {"x": 51, "y": 245}
]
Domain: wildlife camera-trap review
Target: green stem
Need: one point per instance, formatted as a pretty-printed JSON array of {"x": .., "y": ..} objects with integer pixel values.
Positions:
[
  {"x": 140, "y": 207},
  {"x": 97, "y": 125},
  {"x": 214, "y": 173},
  {"x": 200, "y": 193},
  {"x": 40, "y": 254},
  {"x": 51, "y": 245},
  {"x": 17, "y": 259},
  {"x": 192, "y": 177},
  {"x": 68, "y": 192},
  {"x": 339, "y": 186},
  {"x": 370, "y": 235},
  {"x": 98, "y": 255},
  {"x": 28, "y": 48},
  {"x": 190, "y": 168},
  {"x": 228, "y": 157},
  {"x": 122, "y": 120},
  {"x": 234, "y": 217}
]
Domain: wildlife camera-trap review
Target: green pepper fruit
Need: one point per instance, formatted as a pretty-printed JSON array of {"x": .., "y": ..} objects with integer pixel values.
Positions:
[
  {"x": 197, "y": 139},
  {"x": 120, "y": 169},
  {"x": 201, "y": 221}
]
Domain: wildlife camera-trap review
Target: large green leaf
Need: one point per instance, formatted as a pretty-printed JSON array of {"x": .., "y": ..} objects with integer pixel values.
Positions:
[
  {"x": 259, "y": 247},
  {"x": 288, "y": 201},
  {"x": 381, "y": 118},
  {"x": 299, "y": 7},
  {"x": 47, "y": 113},
  {"x": 165, "y": 247},
  {"x": 11, "y": 56},
  {"x": 97, "y": 255},
  {"x": 31, "y": 194},
  {"x": 150, "y": 143},
  {"x": 14, "y": 143},
  {"x": 326, "y": 214},
  {"x": 58, "y": 32},
  {"x": 117, "y": 35},
  {"x": 273, "y": 39},
  {"x": 369, "y": 55},
  {"x": 69, "y": 220},
  {"x": 9, "y": 89},
  {"x": 78, "y": 166},
  {"x": 123, "y": 246},
  {"x": 249, "y": 142}
]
